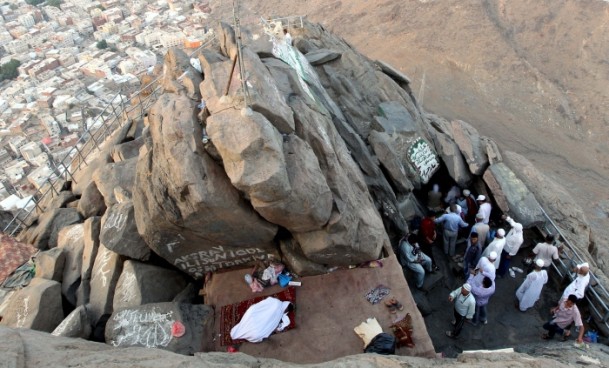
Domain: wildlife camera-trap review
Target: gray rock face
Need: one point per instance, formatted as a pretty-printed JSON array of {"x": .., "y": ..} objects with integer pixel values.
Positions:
[
  {"x": 321, "y": 56},
  {"x": 127, "y": 150},
  {"x": 44, "y": 235},
  {"x": 50, "y": 263},
  {"x": 179, "y": 76},
  {"x": 452, "y": 158},
  {"x": 280, "y": 175},
  {"x": 76, "y": 325},
  {"x": 111, "y": 176},
  {"x": 470, "y": 145},
  {"x": 119, "y": 232},
  {"x": 392, "y": 72},
  {"x": 297, "y": 262},
  {"x": 71, "y": 239},
  {"x": 106, "y": 271},
  {"x": 383, "y": 148},
  {"x": 492, "y": 151},
  {"x": 91, "y": 239},
  {"x": 186, "y": 209},
  {"x": 37, "y": 306},
  {"x": 141, "y": 283},
  {"x": 265, "y": 97},
  {"x": 507, "y": 187},
  {"x": 151, "y": 326},
  {"x": 91, "y": 202}
]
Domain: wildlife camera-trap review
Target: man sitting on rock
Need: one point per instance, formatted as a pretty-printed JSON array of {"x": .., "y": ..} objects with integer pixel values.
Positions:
[
  {"x": 413, "y": 258},
  {"x": 562, "y": 316}
]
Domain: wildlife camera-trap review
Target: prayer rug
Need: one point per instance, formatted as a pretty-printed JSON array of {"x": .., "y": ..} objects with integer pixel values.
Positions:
[
  {"x": 377, "y": 294},
  {"x": 231, "y": 314},
  {"x": 12, "y": 255}
]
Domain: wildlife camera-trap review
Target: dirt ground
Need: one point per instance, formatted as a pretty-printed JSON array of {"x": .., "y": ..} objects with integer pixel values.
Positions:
[{"x": 328, "y": 307}]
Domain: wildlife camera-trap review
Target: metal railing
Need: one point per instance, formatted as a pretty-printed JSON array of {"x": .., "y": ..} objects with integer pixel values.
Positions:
[
  {"x": 596, "y": 293},
  {"x": 117, "y": 111}
]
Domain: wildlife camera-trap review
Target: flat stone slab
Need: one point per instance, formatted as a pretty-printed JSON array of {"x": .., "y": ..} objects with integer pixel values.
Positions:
[{"x": 322, "y": 56}]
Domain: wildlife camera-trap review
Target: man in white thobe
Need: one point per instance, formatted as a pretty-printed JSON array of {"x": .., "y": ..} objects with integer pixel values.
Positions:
[
  {"x": 578, "y": 286},
  {"x": 496, "y": 246},
  {"x": 513, "y": 241},
  {"x": 260, "y": 320},
  {"x": 485, "y": 266},
  {"x": 528, "y": 293},
  {"x": 484, "y": 208}
]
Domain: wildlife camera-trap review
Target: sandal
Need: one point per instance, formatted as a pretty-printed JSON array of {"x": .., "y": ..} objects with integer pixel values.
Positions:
[
  {"x": 392, "y": 308},
  {"x": 398, "y": 305},
  {"x": 545, "y": 336}
]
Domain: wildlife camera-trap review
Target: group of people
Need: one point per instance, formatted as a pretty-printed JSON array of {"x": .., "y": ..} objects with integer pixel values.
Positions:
[{"x": 488, "y": 255}]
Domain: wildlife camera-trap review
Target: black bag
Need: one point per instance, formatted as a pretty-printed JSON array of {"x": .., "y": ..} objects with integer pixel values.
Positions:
[{"x": 382, "y": 343}]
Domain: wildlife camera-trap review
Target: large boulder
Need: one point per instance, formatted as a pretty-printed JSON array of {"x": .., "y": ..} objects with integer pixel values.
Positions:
[
  {"x": 115, "y": 175},
  {"x": 50, "y": 264},
  {"x": 321, "y": 56},
  {"x": 37, "y": 306},
  {"x": 127, "y": 150},
  {"x": 152, "y": 326},
  {"x": 141, "y": 283},
  {"x": 91, "y": 202},
  {"x": 453, "y": 159},
  {"x": 43, "y": 235},
  {"x": 468, "y": 140},
  {"x": 186, "y": 209},
  {"x": 399, "y": 174},
  {"x": 106, "y": 271},
  {"x": 179, "y": 76},
  {"x": 119, "y": 232},
  {"x": 91, "y": 239},
  {"x": 71, "y": 239},
  {"x": 280, "y": 174},
  {"x": 76, "y": 325}
]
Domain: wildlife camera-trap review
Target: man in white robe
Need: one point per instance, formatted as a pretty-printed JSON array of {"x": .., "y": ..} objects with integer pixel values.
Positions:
[
  {"x": 486, "y": 267},
  {"x": 528, "y": 293},
  {"x": 260, "y": 320},
  {"x": 496, "y": 246},
  {"x": 578, "y": 286},
  {"x": 484, "y": 208}
]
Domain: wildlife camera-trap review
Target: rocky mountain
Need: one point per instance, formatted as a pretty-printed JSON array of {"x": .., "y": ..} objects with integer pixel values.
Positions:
[
  {"x": 530, "y": 74},
  {"x": 322, "y": 163}
]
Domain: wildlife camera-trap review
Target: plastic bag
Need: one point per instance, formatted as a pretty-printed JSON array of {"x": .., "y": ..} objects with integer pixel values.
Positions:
[
  {"x": 284, "y": 279},
  {"x": 382, "y": 343}
]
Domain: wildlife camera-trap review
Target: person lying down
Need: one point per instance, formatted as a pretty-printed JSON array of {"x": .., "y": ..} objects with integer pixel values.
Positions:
[{"x": 262, "y": 319}]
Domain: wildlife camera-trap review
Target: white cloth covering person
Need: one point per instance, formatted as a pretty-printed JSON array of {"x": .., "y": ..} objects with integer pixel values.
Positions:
[
  {"x": 260, "y": 320},
  {"x": 496, "y": 246},
  {"x": 528, "y": 293},
  {"x": 578, "y": 286}
]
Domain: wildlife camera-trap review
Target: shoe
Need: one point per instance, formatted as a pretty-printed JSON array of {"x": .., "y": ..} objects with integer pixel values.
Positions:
[
  {"x": 545, "y": 336},
  {"x": 519, "y": 270},
  {"x": 485, "y": 322},
  {"x": 512, "y": 273}
]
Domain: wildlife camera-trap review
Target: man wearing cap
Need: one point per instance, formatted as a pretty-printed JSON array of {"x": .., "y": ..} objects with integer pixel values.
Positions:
[
  {"x": 465, "y": 307},
  {"x": 482, "y": 292},
  {"x": 482, "y": 229},
  {"x": 472, "y": 206},
  {"x": 472, "y": 254},
  {"x": 578, "y": 286},
  {"x": 513, "y": 241},
  {"x": 496, "y": 246},
  {"x": 528, "y": 293},
  {"x": 414, "y": 259},
  {"x": 486, "y": 266},
  {"x": 484, "y": 208},
  {"x": 546, "y": 251},
  {"x": 564, "y": 315},
  {"x": 451, "y": 222}
]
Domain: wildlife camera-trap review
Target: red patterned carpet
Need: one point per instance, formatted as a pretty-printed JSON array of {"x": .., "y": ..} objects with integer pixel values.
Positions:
[{"x": 231, "y": 314}]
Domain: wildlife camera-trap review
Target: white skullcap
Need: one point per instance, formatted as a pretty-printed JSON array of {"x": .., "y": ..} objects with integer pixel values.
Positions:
[
  {"x": 492, "y": 255},
  {"x": 539, "y": 263},
  {"x": 501, "y": 232},
  {"x": 585, "y": 264},
  {"x": 467, "y": 287},
  {"x": 466, "y": 192},
  {"x": 481, "y": 198}
]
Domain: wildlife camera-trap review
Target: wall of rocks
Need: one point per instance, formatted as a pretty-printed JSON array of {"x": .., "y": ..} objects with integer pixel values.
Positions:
[{"x": 321, "y": 170}]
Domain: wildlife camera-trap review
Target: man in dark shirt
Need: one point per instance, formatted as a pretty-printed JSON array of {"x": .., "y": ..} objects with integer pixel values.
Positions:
[{"x": 427, "y": 237}]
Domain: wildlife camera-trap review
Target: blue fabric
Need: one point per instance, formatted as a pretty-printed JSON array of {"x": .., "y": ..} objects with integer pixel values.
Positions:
[
  {"x": 284, "y": 279},
  {"x": 451, "y": 221}
]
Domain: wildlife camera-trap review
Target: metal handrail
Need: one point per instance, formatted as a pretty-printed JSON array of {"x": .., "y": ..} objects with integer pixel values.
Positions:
[{"x": 592, "y": 295}]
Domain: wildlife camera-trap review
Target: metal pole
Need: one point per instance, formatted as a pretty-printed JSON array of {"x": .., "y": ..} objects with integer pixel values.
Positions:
[
  {"x": 230, "y": 76},
  {"x": 239, "y": 53}
]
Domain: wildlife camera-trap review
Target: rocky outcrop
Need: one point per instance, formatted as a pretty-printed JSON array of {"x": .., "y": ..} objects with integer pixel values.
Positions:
[
  {"x": 71, "y": 239},
  {"x": 43, "y": 235},
  {"x": 119, "y": 232},
  {"x": 91, "y": 202},
  {"x": 106, "y": 271},
  {"x": 470, "y": 145},
  {"x": 76, "y": 324},
  {"x": 91, "y": 243},
  {"x": 112, "y": 176},
  {"x": 186, "y": 209},
  {"x": 38, "y": 306},
  {"x": 141, "y": 283},
  {"x": 181, "y": 328},
  {"x": 50, "y": 264}
]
